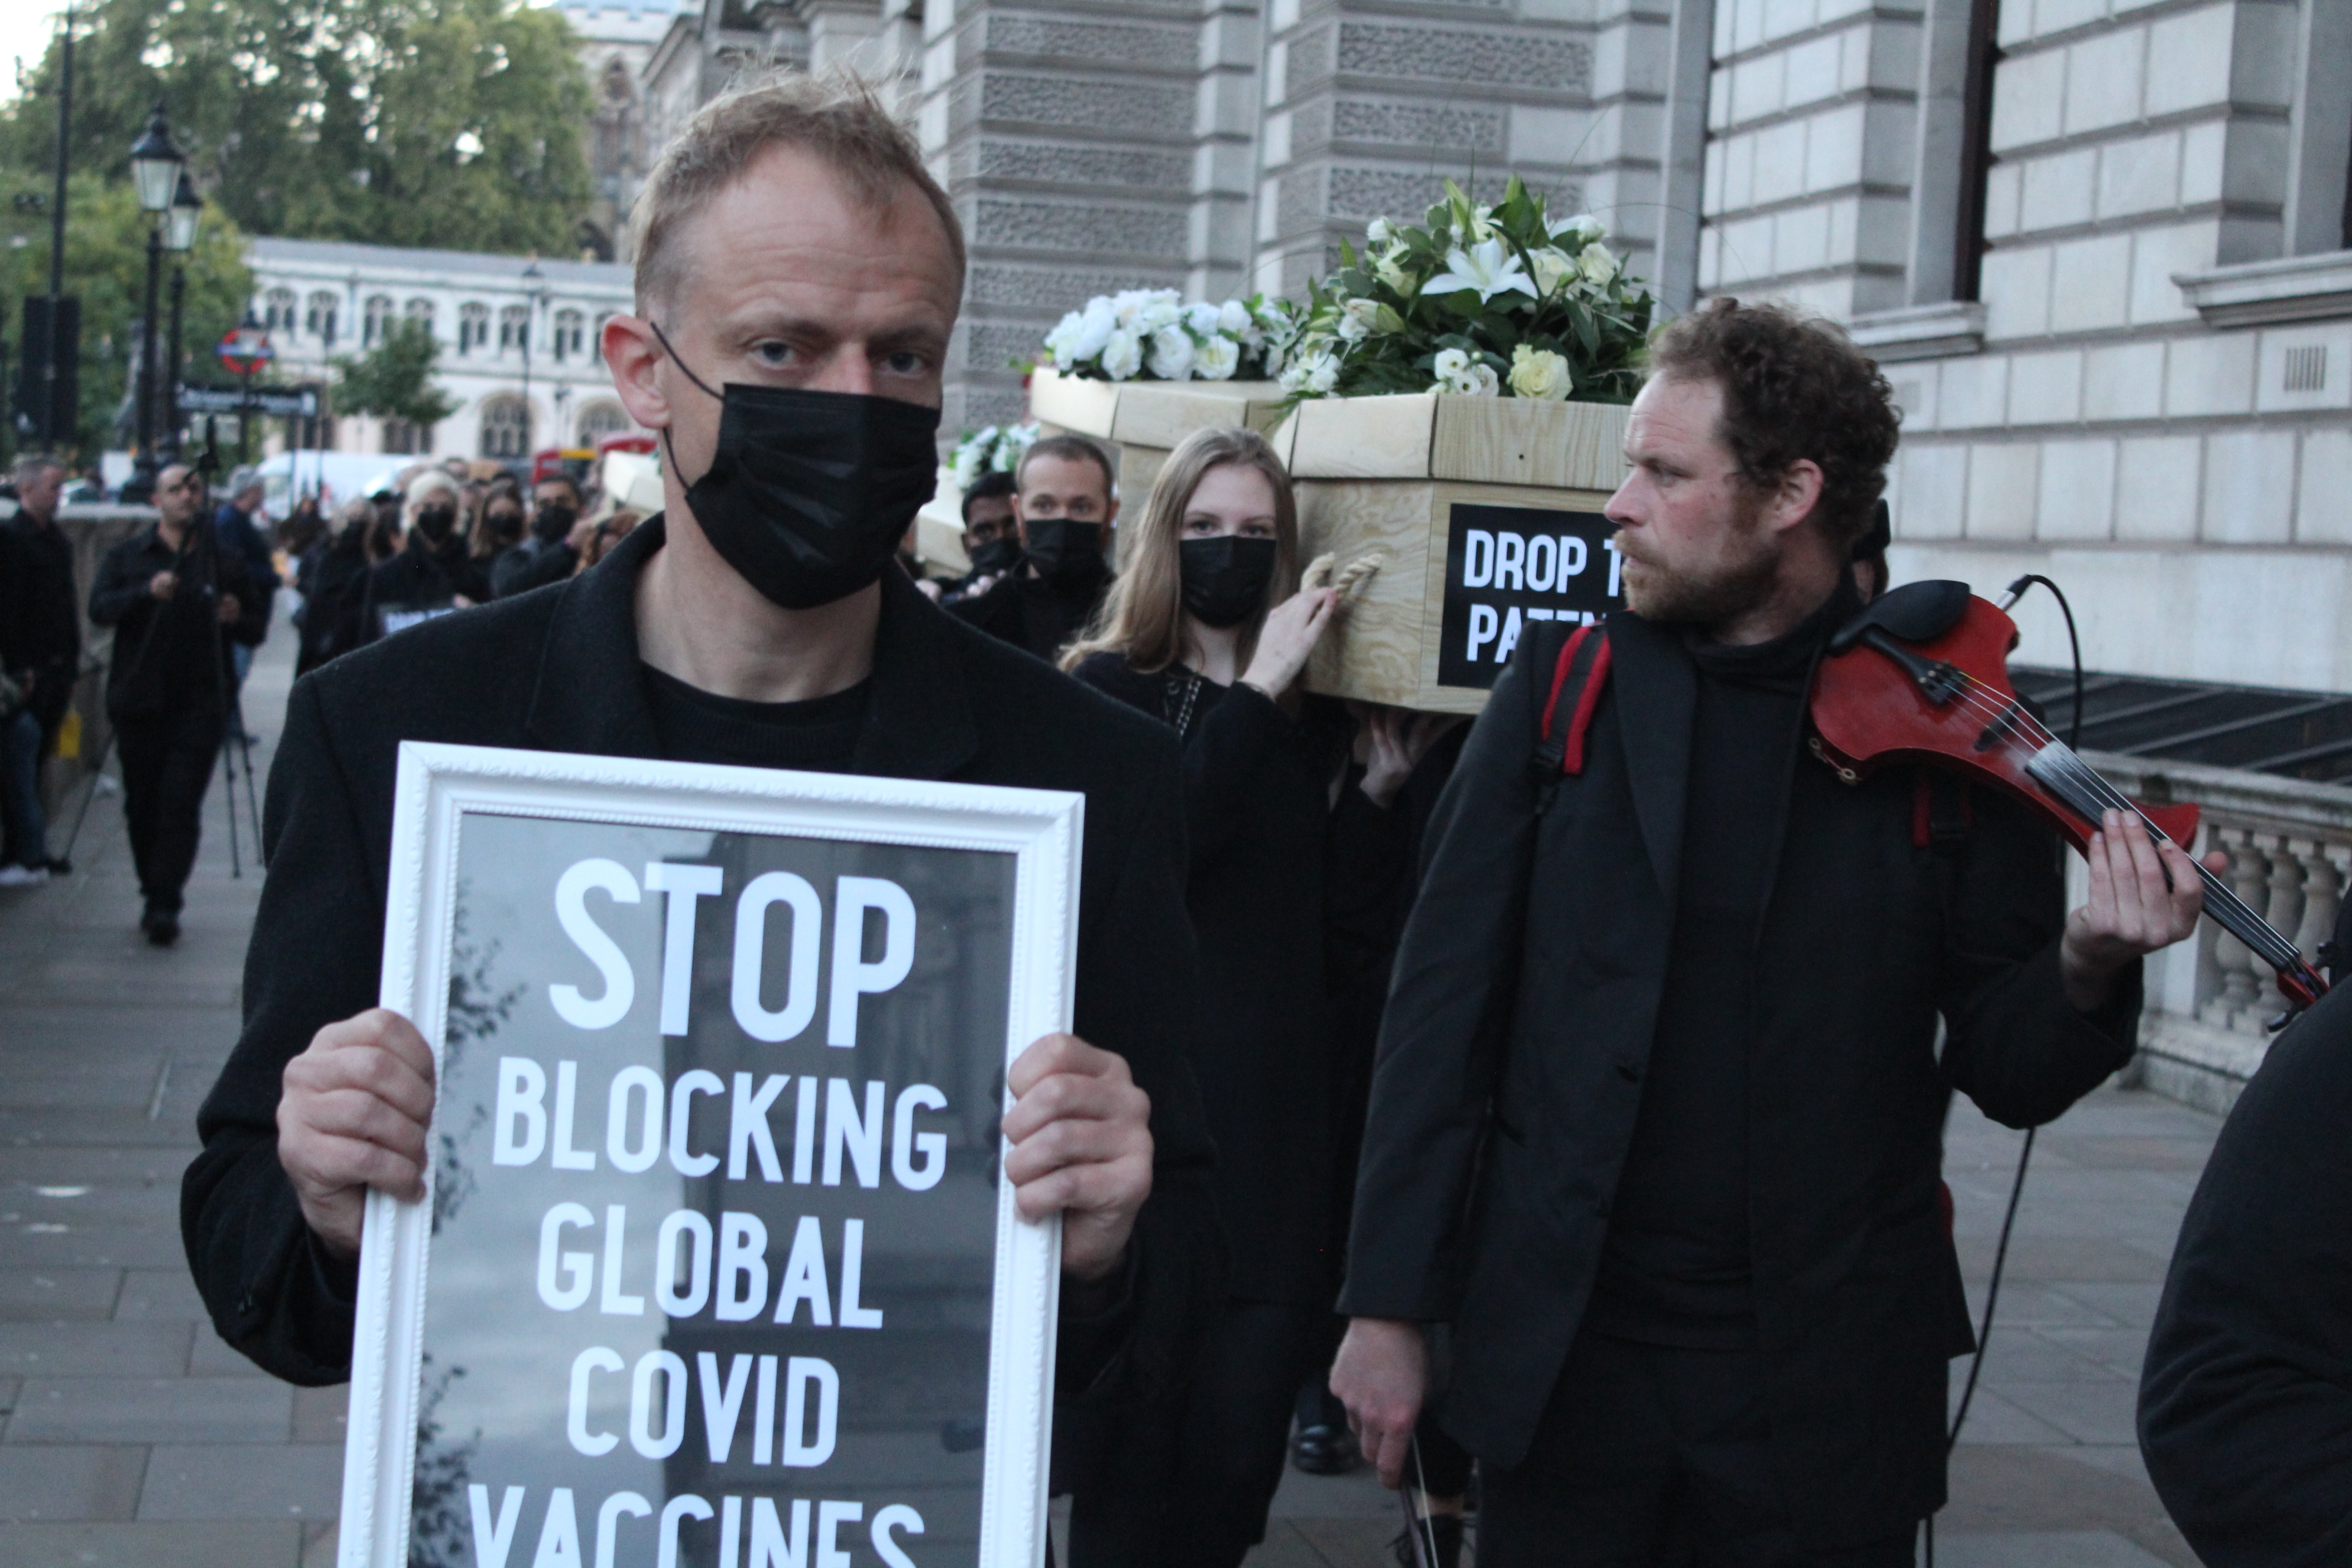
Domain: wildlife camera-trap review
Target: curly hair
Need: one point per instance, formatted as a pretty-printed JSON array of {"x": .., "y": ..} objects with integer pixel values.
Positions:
[{"x": 1795, "y": 387}]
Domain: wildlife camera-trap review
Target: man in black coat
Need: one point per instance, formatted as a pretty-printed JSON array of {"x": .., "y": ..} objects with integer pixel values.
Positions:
[
  {"x": 1655, "y": 1121},
  {"x": 178, "y": 602},
  {"x": 43, "y": 635},
  {"x": 834, "y": 288},
  {"x": 2245, "y": 1403},
  {"x": 1062, "y": 497}
]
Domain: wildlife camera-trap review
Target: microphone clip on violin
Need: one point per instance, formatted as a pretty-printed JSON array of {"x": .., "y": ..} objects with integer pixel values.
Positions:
[{"x": 1922, "y": 675}]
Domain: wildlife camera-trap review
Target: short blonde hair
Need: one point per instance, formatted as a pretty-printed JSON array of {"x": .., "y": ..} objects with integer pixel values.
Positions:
[
  {"x": 429, "y": 483},
  {"x": 836, "y": 116}
]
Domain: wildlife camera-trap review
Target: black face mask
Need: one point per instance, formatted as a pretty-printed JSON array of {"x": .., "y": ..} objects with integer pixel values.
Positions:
[
  {"x": 1000, "y": 554},
  {"x": 435, "y": 523},
  {"x": 553, "y": 520},
  {"x": 1225, "y": 577},
  {"x": 1064, "y": 551},
  {"x": 808, "y": 492}
]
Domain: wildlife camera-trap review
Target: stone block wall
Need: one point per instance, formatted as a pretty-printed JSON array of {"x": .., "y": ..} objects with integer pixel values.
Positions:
[
  {"x": 1806, "y": 186},
  {"x": 1371, "y": 104}
]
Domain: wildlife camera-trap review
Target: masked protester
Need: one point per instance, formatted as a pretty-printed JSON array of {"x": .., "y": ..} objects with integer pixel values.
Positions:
[
  {"x": 434, "y": 572},
  {"x": 550, "y": 552},
  {"x": 1202, "y": 632},
  {"x": 991, "y": 535},
  {"x": 1063, "y": 502},
  {"x": 797, "y": 278}
]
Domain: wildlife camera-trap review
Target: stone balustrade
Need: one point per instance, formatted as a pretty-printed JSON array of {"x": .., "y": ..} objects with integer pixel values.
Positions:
[{"x": 2210, "y": 1002}]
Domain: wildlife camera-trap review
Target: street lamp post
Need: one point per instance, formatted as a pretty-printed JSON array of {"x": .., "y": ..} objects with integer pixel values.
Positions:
[
  {"x": 155, "y": 165},
  {"x": 531, "y": 299},
  {"x": 180, "y": 223}
]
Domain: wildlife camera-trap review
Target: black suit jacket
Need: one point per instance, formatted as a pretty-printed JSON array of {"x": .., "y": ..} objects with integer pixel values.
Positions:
[
  {"x": 2245, "y": 1403},
  {"x": 1524, "y": 1002},
  {"x": 558, "y": 670}
]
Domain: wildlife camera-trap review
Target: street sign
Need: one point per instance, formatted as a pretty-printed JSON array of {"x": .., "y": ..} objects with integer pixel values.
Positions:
[
  {"x": 245, "y": 350},
  {"x": 302, "y": 401}
]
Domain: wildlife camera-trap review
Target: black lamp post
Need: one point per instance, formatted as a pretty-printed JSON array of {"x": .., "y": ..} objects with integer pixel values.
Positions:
[
  {"x": 533, "y": 296},
  {"x": 180, "y": 223},
  {"x": 155, "y": 165}
]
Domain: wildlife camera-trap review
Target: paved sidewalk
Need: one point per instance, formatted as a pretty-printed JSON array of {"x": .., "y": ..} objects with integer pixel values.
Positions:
[
  {"x": 2047, "y": 1473},
  {"x": 133, "y": 1436}
]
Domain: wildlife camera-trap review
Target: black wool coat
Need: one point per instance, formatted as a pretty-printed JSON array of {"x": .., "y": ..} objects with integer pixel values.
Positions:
[
  {"x": 2245, "y": 1403},
  {"x": 172, "y": 654},
  {"x": 558, "y": 670},
  {"x": 1271, "y": 855},
  {"x": 1519, "y": 1021}
]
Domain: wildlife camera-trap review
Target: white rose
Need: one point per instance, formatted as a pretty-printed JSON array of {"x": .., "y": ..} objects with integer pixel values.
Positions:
[
  {"x": 1127, "y": 304},
  {"x": 1234, "y": 320},
  {"x": 1062, "y": 342},
  {"x": 1171, "y": 354},
  {"x": 1162, "y": 311},
  {"x": 1378, "y": 232},
  {"x": 1540, "y": 372},
  {"x": 1217, "y": 359},
  {"x": 1596, "y": 265},
  {"x": 1122, "y": 353},
  {"x": 1201, "y": 317},
  {"x": 1095, "y": 328},
  {"x": 966, "y": 466},
  {"x": 1552, "y": 265}
]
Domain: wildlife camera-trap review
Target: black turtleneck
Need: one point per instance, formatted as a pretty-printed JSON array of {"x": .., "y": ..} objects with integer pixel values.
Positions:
[{"x": 1674, "y": 1269}]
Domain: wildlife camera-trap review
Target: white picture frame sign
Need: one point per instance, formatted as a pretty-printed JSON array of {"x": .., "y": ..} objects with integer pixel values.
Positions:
[{"x": 449, "y": 1332}]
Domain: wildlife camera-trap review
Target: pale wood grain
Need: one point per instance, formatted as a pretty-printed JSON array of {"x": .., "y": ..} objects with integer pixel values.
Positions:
[
  {"x": 1527, "y": 441},
  {"x": 1363, "y": 438},
  {"x": 1162, "y": 413},
  {"x": 1073, "y": 403}
]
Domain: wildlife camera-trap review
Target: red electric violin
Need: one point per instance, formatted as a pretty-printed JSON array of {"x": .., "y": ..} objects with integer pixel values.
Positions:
[{"x": 1923, "y": 675}]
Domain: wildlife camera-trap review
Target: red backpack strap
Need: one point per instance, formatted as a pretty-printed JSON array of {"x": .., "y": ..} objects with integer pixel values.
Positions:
[{"x": 1578, "y": 675}]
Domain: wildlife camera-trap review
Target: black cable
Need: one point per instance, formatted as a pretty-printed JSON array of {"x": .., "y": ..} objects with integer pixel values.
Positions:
[{"x": 2073, "y": 645}]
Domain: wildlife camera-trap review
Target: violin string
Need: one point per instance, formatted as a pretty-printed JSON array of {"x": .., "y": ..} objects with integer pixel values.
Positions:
[{"x": 2019, "y": 729}]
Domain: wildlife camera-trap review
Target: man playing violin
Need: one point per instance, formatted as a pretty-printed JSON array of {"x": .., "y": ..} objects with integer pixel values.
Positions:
[{"x": 1655, "y": 1132}]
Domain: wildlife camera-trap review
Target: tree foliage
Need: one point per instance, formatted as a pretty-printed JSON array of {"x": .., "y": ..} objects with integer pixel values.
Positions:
[
  {"x": 448, "y": 124},
  {"x": 106, "y": 267},
  {"x": 394, "y": 380}
]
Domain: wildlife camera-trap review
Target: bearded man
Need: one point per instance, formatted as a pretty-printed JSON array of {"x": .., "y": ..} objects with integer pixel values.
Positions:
[{"x": 1654, "y": 1129}]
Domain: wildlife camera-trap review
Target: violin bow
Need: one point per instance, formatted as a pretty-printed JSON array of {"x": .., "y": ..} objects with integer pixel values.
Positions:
[{"x": 1419, "y": 1527}]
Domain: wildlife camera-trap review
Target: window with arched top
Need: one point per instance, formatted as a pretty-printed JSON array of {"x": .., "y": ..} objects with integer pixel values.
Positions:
[
  {"x": 600, "y": 419},
  {"x": 514, "y": 328},
  {"x": 277, "y": 311},
  {"x": 571, "y": 334},
  {"x": 375, "y": 320},
  {"x": 419, "y": 310},
  {"x": 473, "y": 326},
  {"x": 318, "y": 317},
  {"x": 506, "y": 427}
]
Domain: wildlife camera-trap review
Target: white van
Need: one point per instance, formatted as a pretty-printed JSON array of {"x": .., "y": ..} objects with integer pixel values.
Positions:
[{"x": 333, "y": 477}]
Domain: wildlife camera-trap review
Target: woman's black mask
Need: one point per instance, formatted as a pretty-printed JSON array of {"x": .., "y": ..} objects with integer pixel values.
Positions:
[
  {"x": 808, "y": 492},
  {"x": 1225, "y": 577},
  {"x": 437, "y": 522}
]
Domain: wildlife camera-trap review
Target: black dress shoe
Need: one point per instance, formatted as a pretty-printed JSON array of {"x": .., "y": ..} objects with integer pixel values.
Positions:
[
  {"x": 161, "y": 926},
  {"x": 1325, "y": 1450},
  {"x": 60, "y": 866}
]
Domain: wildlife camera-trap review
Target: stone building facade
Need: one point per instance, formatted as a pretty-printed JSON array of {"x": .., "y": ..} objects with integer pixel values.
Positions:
[
  {"x": 2100, "y": 246},
  {"x": 517, "y": 339}
]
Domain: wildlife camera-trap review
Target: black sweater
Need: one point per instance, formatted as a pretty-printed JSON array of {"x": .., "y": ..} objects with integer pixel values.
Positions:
[
  {"x": 1262, "y": 825},
  {"x": 2245, "y": 1404}
]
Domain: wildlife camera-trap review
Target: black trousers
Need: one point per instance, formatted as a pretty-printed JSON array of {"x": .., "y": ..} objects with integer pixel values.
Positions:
[
  {"x": 1237, "y": 1430},
  {"x": 1652, "y": 1457},
  {"x": 167, "y": 762}
]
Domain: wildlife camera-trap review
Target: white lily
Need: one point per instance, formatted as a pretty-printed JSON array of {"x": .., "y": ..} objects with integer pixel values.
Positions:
[{"x": 1485, "y": 269}]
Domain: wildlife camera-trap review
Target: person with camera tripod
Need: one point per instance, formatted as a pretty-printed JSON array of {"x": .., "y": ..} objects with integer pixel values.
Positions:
[{"x": 176, "y": 600}]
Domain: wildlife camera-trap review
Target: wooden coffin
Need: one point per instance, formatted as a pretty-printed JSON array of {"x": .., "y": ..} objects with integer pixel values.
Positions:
[
  {"x": 1145, "y": 420},
  {"x": 1486, "y": 515}
]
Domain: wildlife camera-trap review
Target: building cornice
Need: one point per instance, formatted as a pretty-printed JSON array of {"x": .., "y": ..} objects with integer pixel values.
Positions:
[
  {"x": 1920, "y": 331},
  {"x": 2252, "y": 293}
]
